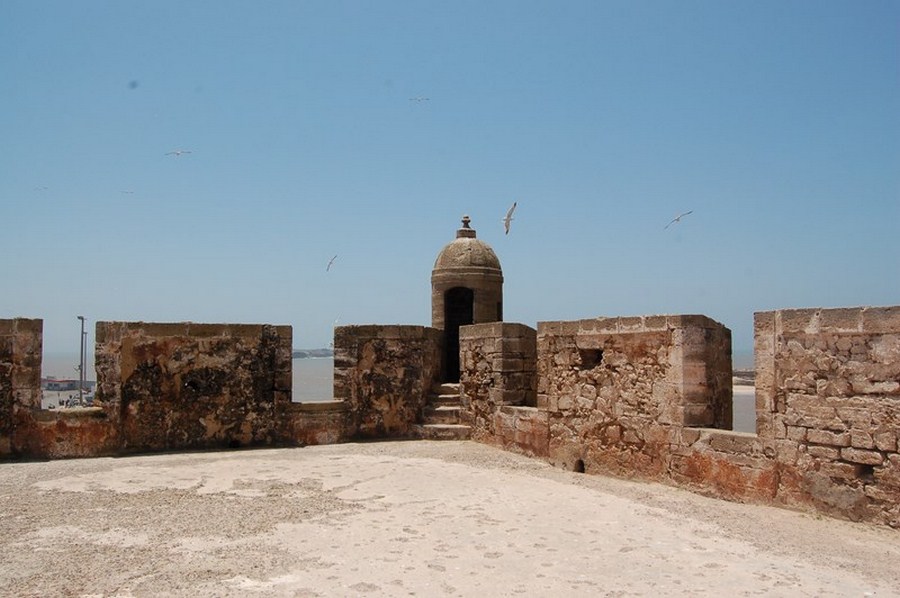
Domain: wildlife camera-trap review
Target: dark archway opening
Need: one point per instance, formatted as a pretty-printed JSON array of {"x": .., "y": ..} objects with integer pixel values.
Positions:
[{"x": 458, "y": 311}]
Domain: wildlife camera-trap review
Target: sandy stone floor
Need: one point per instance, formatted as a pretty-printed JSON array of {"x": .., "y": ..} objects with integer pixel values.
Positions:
[{"x": 406, "y": 519}]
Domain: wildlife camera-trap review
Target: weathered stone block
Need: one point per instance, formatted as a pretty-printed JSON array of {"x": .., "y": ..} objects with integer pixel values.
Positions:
[
  {"x": 824, "y": 452},
  {"x": 828, "y": 437},
  {"x": 861, "y": 439},
  {"x": 881, "y": 320},
  {"x": 841, "y": 320},
  {"x": 843, "y": 471},
  {"x": 796, "y": 433},
  {"x": 886, "y": 441},
  {"x": 861, "y": 456}
]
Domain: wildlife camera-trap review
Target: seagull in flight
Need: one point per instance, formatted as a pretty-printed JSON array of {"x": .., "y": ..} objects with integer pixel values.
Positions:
[
  {"x": 509, "y": 217},
  {"x": 178, "y": 152},
  {"x": 678, "y": 218},
  {"x": 418, "y": 99},
  {"x": 331, "y": 261},
  {"x": 127, "y": 192}
]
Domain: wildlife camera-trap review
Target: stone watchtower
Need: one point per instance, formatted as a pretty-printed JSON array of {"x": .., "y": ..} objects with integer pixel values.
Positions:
[{"x": 466, "y": 288}]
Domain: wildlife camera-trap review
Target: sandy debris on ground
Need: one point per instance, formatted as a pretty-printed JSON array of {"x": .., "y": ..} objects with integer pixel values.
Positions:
[{"x": 406, "y": 519}]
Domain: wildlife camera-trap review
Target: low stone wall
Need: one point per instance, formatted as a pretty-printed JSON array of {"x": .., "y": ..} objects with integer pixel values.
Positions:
[
  {"x": 21, "y": 342},
  {"x": 828, "y": 397},
  {"x": 641, "y": 397},
  {"x": 499, "y": 386},
  {"x": 188, "y": 385},
  {"x": 384, "y": 374},
  {"x": 618, "y": 390},
  {"x": 328, "y": 422}
]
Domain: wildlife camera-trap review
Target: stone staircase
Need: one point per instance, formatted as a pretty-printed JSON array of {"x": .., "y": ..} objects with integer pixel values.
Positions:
[{"x": 442, "y": 416}]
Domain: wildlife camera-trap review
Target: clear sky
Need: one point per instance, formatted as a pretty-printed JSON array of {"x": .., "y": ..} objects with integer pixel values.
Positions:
[{"x": 777, "y": 123}]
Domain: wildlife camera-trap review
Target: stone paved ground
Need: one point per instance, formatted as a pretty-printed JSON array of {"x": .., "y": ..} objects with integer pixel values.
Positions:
[{"x": 406, "y": 519}]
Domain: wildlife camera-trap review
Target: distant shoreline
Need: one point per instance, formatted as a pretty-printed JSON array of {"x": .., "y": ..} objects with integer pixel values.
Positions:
[{"x": 311, "y": 353}]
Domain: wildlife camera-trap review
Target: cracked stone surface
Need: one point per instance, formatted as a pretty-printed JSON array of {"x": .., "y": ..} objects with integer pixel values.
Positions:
[{"x": 406, "y": 518}]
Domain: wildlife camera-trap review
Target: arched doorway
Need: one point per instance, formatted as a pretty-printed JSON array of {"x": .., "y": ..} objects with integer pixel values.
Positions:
[{"x": 458, "y": 311}]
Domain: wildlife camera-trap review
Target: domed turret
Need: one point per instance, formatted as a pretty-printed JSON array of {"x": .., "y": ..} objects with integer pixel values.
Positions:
[{"x": 466, "y": 288}]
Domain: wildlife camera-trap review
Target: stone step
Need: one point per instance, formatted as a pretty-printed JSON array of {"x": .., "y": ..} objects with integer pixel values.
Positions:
[
  {"x": 442, "y": 432},
  {"x": 447, "y": 388},
  {"x": 444, "y": 414},
  {"x": 444, "y": 399}
]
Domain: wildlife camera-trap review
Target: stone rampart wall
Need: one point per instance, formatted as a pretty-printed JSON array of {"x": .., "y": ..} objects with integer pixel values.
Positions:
[
  {"x": 641, "y": 397},
  {"x": 384, "y": 374},
  {"x": 21, "y": 342},
  {"x": 619, "y": 390},
  {"x": 499, "y": 386},
  {"x": 828, "y": 397},
  {"x": 187, "y": 385},
  {"x": 328, "y": 422}
]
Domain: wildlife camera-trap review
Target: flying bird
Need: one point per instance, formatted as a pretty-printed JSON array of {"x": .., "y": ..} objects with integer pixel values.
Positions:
[
  {"x": 178, "y": 152},
  {"x": 508, "y": 218},
  {"x": 331, "y": 261},
  {"x": 127, "y": 192},
  {"x": 418, "y": 99},
  {"x": 678, "y": 218}
]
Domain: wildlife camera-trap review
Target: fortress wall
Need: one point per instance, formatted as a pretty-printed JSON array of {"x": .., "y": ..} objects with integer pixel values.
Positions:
[
  {"x": 328, "y": 422},
  {"x": 26, "y": 430},
  {"x": 828, "y": 397},
  {"x": 384, "y": 373},
  {"x": 620, "y": 390},
  {"x": 175, "y": 386},
  {"x": 499, "y": 386},
  {"x": 21, "y": 342}
]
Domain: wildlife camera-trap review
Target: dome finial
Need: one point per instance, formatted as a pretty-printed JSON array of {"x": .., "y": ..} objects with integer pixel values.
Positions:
[{"x": 466, "y": 231}]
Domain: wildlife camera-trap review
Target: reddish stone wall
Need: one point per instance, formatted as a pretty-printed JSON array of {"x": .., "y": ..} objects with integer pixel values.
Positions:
[
  {"x": 21, "y": 342},
  {"x": 385, "y": 373},
  {"x": 499, "y": 386},
  {"x": 26, "y": 430},
  {"x": 828, "y": 397},
  {"x": 619, "y": 390},
  {"x": 327, "y": 422},
  {"x": 188, "y": 385}
]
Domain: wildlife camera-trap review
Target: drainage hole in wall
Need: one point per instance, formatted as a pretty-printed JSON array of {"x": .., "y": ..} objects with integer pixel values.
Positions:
[
  {"x": 590, "y": 358},
  {"x": 866, "y": 473}
]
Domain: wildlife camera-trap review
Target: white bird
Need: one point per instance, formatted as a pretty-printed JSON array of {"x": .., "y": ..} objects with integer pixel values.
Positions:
[
  {"x": 509, "y": 217},
  {"x": 418, "y": 99},
  {"x": 178, "y": 152},
  {"x": 127, "y": 192},
  {"x": 678, "y": 218},
  {"x": 331, "y": 261}
]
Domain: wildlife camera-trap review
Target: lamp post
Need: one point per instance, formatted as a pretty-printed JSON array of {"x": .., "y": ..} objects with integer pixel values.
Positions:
[{"x": 81, "y": 365}]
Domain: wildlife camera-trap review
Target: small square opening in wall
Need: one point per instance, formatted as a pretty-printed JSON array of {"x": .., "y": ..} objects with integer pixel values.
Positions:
[
  {"x": 591, "y": 358},
  {"x": 865, "y": 473}
]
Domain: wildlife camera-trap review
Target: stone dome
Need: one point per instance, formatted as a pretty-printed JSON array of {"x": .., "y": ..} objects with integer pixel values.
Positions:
[{"x": 466, "y": 252}]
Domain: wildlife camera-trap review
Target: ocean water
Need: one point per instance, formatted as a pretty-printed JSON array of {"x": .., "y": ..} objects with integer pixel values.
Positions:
[
  {"x": 313, "y": 380},
  {"x": 743, "y": 405}
]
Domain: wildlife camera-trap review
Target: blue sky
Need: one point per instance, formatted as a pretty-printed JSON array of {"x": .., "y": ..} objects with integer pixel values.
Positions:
[{"x": 777, "y": 123}]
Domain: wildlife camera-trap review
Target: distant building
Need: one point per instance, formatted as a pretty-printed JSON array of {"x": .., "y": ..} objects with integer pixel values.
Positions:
[{"x": 58, "y": 384}]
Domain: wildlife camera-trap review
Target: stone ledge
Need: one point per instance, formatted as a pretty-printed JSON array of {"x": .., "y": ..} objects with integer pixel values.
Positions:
[
  {"x": 320, "y": 406},
  {"x": 48, "y": 415}
]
